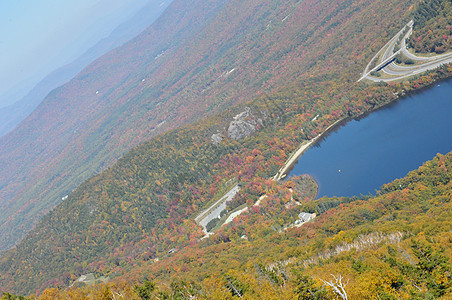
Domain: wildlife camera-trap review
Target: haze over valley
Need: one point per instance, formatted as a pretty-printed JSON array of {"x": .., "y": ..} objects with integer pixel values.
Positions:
[{"x": 65, "y": 48}]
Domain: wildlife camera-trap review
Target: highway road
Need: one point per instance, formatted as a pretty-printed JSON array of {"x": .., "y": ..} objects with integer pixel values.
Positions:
[
  {"x": 215, "y": 209},
  {"x": 396, "y": 71},
  {"x": 389, "y": 46}
]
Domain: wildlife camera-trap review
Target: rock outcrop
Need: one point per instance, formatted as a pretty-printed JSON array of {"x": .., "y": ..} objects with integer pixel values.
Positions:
[{"x": 243, "y": 125}]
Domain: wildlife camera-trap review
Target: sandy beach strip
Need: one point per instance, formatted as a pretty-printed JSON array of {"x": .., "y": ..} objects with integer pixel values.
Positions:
[{"x": 301, "y": 149}]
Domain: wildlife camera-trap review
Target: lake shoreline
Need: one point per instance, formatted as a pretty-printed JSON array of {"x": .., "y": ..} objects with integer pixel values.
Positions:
[
  {"x": 305, "y": 145},
  {"x": 288, "y": 165}
]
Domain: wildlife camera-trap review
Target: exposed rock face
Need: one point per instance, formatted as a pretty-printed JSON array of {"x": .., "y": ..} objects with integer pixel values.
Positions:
[
  {"x": 243, "y": 125},
  {"x": 240, "y": 129},
  {"x": 216, "y": 138}
]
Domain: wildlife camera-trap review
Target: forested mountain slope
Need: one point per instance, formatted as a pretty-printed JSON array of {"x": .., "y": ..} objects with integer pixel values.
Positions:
[
  {"x": 144, "y": 205},
  {"x": 396, "y": 245},
  {"x": 433, "y": 21},
  {"x": 83, "y": 126},
  {"x": 198, "y": 58}
]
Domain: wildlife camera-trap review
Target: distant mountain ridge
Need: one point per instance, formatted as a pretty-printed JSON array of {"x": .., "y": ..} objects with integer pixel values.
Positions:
[{"x": 13, "y": 114}]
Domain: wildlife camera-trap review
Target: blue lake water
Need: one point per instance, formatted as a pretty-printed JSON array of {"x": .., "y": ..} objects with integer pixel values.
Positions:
[{"x": 362, "y": 155}]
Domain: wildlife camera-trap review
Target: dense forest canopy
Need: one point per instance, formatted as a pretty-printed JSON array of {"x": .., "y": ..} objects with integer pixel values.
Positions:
[{"x": 433, "y": 24}]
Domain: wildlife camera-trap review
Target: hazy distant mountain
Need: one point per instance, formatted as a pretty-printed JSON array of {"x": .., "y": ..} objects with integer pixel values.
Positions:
[{"x": 11, "y": 115}]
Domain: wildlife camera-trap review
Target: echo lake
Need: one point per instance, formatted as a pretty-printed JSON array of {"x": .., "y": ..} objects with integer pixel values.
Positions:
[{"x": 362, "y": 155}]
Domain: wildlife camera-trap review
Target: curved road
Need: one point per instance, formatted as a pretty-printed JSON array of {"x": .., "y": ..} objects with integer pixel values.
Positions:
[
  {"x": 389, "y": 46},
  {"x": 397, "y": 72}
]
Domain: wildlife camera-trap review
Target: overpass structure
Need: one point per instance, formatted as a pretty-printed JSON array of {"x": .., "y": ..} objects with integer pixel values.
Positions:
[
  {"x": 387, "y": 67},
  {"x": 386, "y": 62}
]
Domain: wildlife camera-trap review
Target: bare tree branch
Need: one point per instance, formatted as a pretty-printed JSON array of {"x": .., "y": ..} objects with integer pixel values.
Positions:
[{"x": 337, "y": 286}]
